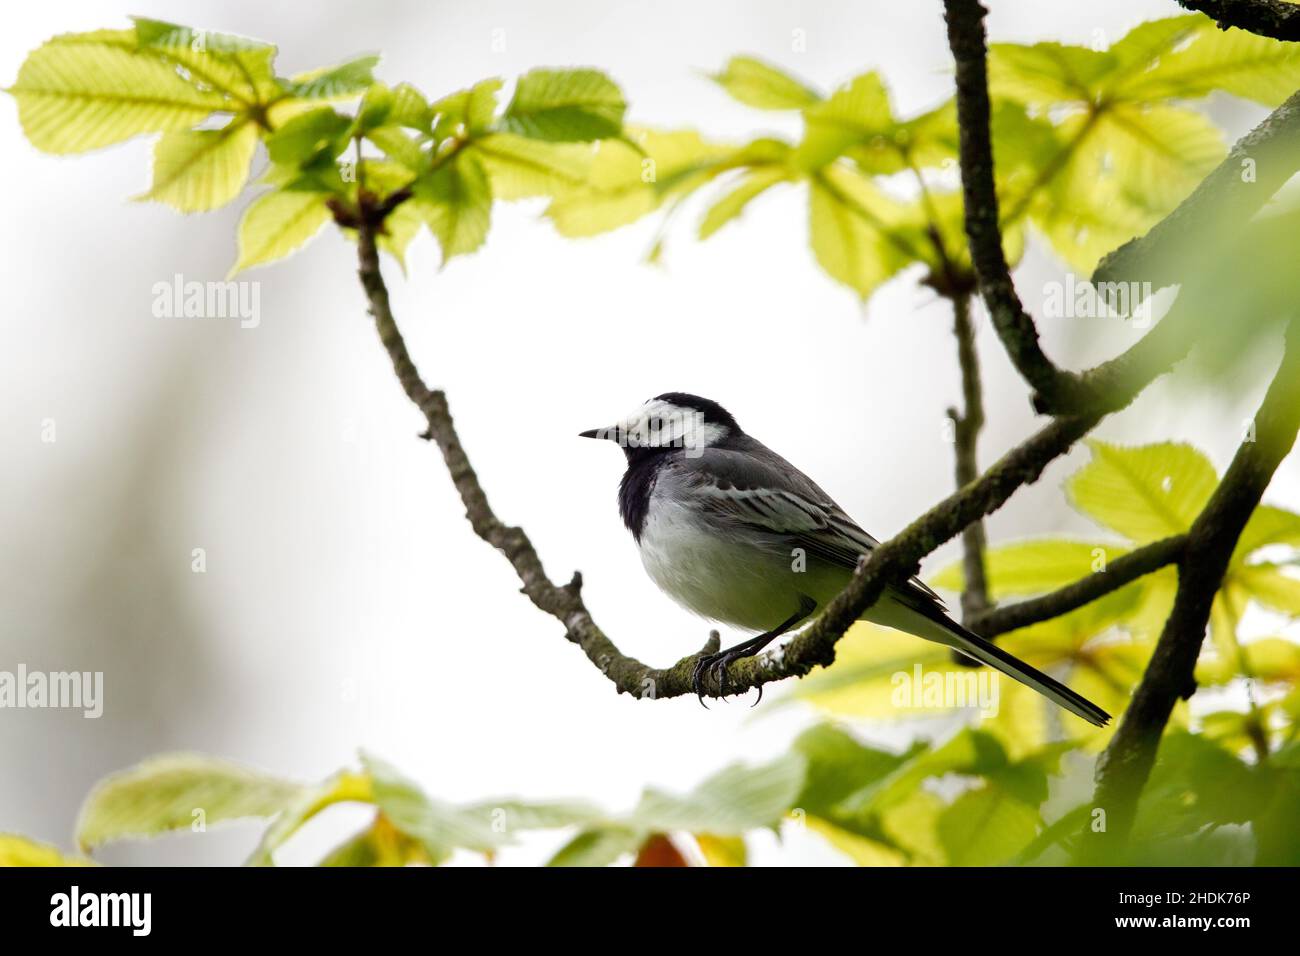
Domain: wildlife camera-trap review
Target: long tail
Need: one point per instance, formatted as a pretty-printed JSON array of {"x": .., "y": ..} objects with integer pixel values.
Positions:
[{"x": 943, "y": 630}]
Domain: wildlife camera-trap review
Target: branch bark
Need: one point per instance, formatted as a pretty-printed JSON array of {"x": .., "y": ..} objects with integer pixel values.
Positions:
[
  {"x": 1126, "y": 763},
  {"x": 1267, "y": 18},
  {"x": 1254, "y": 169},
  {"x": 1118, "y": 573},
  {"x": 966, "y": 430},
  {"x": 1054, "y": 389}
]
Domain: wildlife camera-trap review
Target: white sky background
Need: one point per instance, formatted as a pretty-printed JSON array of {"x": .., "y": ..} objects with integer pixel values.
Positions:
[{"x": 347, "y": 603}]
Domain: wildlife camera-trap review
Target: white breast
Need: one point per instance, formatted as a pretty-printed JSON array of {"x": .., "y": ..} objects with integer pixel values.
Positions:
[{"x": 719, "y": 576}]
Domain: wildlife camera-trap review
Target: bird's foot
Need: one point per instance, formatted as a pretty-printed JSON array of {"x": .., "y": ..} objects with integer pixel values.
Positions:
[{"x": 714, "y": 667}]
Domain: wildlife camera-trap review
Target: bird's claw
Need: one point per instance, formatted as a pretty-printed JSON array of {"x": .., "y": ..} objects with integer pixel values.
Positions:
[{"x": 715, "y": 667}]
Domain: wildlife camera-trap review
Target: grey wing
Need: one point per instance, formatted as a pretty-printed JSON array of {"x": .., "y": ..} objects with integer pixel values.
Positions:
[{"x": 758, "y": 487}]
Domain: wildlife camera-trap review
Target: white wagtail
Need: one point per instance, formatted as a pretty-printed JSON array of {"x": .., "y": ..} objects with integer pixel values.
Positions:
[{"x": 737, "y": 534}]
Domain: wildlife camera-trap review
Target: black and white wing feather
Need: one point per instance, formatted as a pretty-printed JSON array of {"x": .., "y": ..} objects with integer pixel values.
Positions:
[{"x": 757, "y": 487}]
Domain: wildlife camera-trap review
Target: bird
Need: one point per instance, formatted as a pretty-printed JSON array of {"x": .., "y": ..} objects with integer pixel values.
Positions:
[{"x": 736, "y": 534}]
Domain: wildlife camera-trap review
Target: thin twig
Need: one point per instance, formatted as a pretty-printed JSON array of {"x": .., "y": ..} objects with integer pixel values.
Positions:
[
  {"x": 966, "y": 430},
  {"x": 1054, "y": 389},
  {"x": 1123, "y": 570}
]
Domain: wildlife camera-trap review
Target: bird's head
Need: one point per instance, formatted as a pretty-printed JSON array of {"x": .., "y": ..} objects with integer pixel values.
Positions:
[{"x": 673, "y": 420}]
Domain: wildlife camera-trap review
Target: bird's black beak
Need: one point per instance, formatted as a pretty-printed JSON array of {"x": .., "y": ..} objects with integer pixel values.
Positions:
[{"x": 595, "y": 433}]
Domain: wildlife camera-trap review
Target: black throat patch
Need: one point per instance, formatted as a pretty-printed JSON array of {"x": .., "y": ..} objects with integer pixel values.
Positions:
[{"x": 637, "y": 484}]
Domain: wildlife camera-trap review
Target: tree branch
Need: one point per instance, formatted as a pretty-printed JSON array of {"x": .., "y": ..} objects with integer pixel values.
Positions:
[
  {"x": 1267, "y": 18},
  {"x": 1055, "y": 390},
  {"x": 1253, "y": 171},
  {"x": 1123, "y": 768},
  {"x": 1159, "y": 257},
  {"x": 1121, "y": 571},
  {"x": 966, "y": 429}
]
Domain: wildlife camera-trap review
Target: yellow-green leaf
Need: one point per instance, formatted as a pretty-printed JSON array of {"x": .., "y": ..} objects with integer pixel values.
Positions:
[
  {"x": 722, "y": 851},
  {"x": 628, "y": 180},
  {"x": 752, "y": 183},
  {"x": 236, "y": 66},
  {"x": 519, "y": 167},
  {"x": 198, "y": 170},
  {"x": 1271, "y": 586},
  {"x": 173, "y": 792},
  {"x": 565, "y": 105},
  {"x": 855, "y": 114},
  {"x": 1235, "y": 61},
  {"x": 986, "y": 826},
  {"x": 20, "y": 851},
  {"x": 79, "y": 92},
  {"x": 1033, "y": 567},
  {"x": 759, "y": 84},
  {"x": 277, "y": 224},
  {"x": 1144, "y": 493},
  {"x": 380, "y": 844},
  {"x": 456, "y": 203},
  {"x": 856, "y": 231}
]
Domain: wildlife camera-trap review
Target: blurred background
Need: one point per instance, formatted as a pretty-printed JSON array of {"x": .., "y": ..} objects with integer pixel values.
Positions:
[{"x": 345, "y": 603}]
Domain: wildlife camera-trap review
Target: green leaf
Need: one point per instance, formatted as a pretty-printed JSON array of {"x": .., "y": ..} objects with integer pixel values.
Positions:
[
  {"x": 1267, "y": 659},
  {"x": 857, "y": 114},
  {"x": 1195, "y": 783},
  {"x": 334, "y": 82},
  {"x": 20, "y": 851},
  {"x": 400, "y": 146},
  {"x": 864, "y": 851},
  {"x": 1234, "y": 61},
  {"x": 376, "y": 103},
  {"x": 986, "y": 826},
  {"x": 380, "y": 844},
  {"x": 198, "y": 170},
  {"x": 1271, "y": 586},
  {"x": 455, "y": 200},
  {"x": 440, "y": 827},
  {"x": 83, "y": 91},
  {"x": 857, "y": 233},
  {"x": 751, "y": 184},
  {"x": 168, "y": 792},
  {"x": 599, "y": 846},
  {"x": 235, "y": 66},
  {"x": 1268, "y": 525},
  {"x": 343, "y": 787},
  {"x": 722, "y": 851},
  {"x": 839, "y": 766},
  {"x": 308, "y": 135},
  {"x": 1158, "y": 153},
  {"x": 629, "y": 179},
  {"x": 1033, "y": 567},
  {"x": 1144, "y": 493},
  {"x": 481, "y": 106},
  {"x": 736, "y": 799},
  {"x": 1046, "y": 74},
  {"x": 277, "y": 224},
  {"x": 410, "y": 109},
  {"x": 759, "y": 84},
  {"x": 518, "y": 167},
  {"x": 565, "y": 105},
  {"x": 513, "y": 816}
]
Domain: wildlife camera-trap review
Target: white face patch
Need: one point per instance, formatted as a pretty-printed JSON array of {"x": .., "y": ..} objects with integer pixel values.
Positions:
[{"x": 661, "y": 424}]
